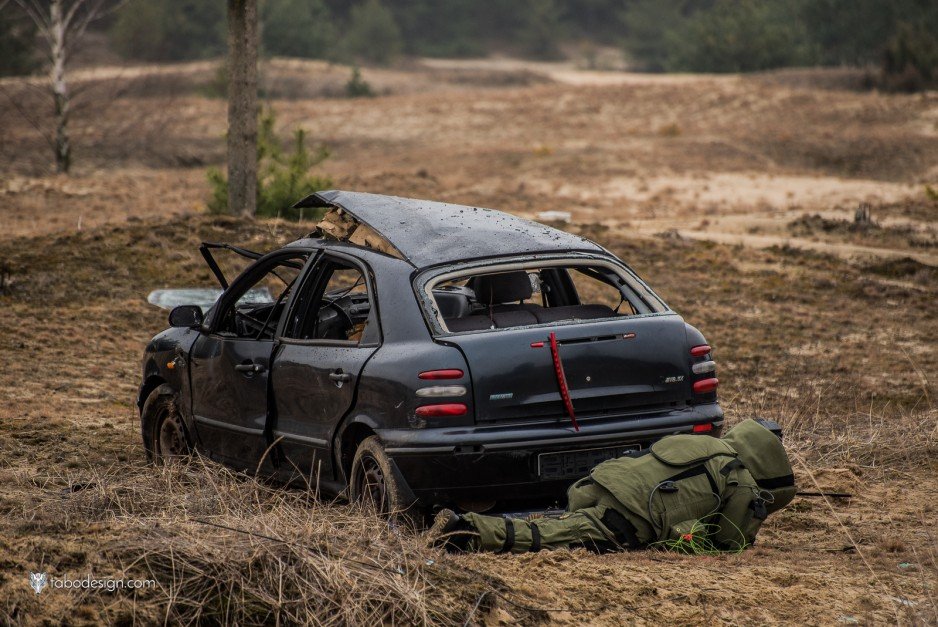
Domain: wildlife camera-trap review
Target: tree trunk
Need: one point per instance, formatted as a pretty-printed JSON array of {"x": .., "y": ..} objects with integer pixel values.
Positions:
[
  {"x": 63, "y": 150},
  {"x": 242, "y": 106}
]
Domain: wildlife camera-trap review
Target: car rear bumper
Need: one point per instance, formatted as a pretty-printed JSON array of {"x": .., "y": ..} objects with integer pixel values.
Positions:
[{"x": 500, "y": 462}]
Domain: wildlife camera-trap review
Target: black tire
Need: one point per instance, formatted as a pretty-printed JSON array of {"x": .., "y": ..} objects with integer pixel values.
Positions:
[
  {"x": 373, "y": 483},
  {"x": 164, "y": 432}
]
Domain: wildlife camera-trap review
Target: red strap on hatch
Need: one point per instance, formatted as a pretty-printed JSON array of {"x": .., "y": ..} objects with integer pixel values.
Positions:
[{"x": 562, "y": 380}]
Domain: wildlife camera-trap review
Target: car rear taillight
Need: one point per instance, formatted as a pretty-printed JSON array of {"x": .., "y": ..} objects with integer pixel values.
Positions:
[
  {"x": 442, "y": 390},
  {"x": 442, "y": 409},
  {"x": 706, "y": 385},
  {"x": 704, "y": 367},
  {"x": 434, "y": 375},
  {"x": 706, "y": 427}
]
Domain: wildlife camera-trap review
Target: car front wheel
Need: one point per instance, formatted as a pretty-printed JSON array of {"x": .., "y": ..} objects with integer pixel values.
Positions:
[{"x": 164, "y": 435}]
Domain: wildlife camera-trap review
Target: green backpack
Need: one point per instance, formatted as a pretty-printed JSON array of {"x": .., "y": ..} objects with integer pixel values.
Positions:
[{"x": 698, "y": 485}]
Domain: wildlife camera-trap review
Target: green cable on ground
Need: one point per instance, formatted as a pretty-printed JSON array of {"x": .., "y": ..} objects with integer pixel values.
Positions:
[{"x": 697, "y": 540}]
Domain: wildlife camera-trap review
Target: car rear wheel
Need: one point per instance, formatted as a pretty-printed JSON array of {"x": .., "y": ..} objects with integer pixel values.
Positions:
[
  {"x": 373, "y": 483},
  {"x": 164, "y": 435}
]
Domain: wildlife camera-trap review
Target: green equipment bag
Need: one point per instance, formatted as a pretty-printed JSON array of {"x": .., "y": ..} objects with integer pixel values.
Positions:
[
  {"x": 692, "y": 484},
  {"x": 670, "y": 485}
]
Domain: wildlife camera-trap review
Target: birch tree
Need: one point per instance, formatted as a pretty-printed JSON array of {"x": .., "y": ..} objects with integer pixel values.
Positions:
[{"x": 61, "y": 25}]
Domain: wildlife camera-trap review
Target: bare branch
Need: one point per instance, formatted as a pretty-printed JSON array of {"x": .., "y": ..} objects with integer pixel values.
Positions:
[
  {"x": 36, "y": 11},
  {"x": 92, "y": 14},
  {"x": 68, "y": 11},
  {"x": 37, "y": 15},
  {"x": 70, "y": 15},
  {"x": 113, "y": 8}
]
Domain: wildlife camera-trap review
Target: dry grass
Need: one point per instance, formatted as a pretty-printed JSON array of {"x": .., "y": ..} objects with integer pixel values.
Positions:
[
  {"x": 882, "y": 441},
  {"x": 225, "y": 548}
]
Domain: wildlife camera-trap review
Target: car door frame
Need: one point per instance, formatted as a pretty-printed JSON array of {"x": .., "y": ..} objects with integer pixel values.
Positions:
[
  {"x": 325, "y": 442},
  {"x": 209, "y": 332}
]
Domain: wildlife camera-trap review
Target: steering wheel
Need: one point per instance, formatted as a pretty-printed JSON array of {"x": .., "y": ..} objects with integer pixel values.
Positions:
[{"x": 334, "y": 304}]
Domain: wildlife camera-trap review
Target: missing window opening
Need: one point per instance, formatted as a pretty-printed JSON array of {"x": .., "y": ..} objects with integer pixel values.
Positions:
[{"x": 526, "y": 295}]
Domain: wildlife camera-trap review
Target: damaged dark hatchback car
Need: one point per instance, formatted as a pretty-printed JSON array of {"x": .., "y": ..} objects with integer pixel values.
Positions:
[{"x": 414, "y": 354}]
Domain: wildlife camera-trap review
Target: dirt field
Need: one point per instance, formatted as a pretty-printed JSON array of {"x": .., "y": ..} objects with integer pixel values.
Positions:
[{"x": 733, "y": 196}]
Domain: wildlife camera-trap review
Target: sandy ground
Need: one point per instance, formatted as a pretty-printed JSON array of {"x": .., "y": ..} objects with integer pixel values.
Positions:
[
  {"x": 711, "y": 155},
  {"x": 733, "y": 196}
]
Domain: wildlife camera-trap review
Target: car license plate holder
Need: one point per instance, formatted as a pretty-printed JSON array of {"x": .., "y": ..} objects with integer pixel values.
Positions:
[{"x": 578, "y": 463}]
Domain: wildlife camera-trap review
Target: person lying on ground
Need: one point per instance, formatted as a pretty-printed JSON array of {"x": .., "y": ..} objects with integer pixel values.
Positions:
[{"x": 684, "y": 491}]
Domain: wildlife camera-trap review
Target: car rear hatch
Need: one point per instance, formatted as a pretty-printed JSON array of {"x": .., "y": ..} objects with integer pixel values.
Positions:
[{"x": 612, "y": 367}]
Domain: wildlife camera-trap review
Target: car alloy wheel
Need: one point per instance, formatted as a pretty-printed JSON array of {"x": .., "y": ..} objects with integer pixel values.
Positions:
[
  {"x": 372, "y": 485},
  {"x": 172, "y": 438}
]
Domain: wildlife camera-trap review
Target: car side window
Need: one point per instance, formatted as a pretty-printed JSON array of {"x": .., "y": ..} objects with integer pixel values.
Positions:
[
  {"x": 260, "y": 299},
  {"x": 333, "y": 304}
]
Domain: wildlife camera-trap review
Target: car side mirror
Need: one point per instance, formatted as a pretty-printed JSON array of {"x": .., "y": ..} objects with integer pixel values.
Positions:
[{"x": 188, "y": 316}]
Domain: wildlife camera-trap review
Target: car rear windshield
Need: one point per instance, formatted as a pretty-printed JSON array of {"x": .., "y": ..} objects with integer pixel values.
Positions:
[{"x": 524, "y": 294}]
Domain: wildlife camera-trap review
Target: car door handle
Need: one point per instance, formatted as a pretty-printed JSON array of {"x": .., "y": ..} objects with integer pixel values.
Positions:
[
  {"x": 340, "y": 377},
  {"x": 252, "y": 368}
]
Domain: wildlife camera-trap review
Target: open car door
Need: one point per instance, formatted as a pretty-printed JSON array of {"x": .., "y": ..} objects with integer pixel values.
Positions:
[
  {"x": 206, "y": 249},
  {"x": 231, "y": 359}
]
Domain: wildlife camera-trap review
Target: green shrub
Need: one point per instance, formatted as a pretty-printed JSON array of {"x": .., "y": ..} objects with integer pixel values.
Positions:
[
  {"x": 541, "y": 29},
  {"x": 646, "y": 22},
  {"x": 910, "y": 61},
  {"x": 282, "y": 178},
  {"x": 358, "y": 87},
  {"x": 445, "y": 28},
  {"x": 737, "y": 36},
  {"x": 372, "y": 35},
  {"x": 297, "y": 28},
  {"x": 170, "y": 30},
  {"x": 851, "y": 32}
]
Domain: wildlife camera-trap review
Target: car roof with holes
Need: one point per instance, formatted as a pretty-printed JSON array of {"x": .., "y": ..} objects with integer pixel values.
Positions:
[{"x": 428, "y": 233}]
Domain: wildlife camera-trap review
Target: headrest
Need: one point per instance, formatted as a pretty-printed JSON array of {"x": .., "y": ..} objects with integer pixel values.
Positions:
[{"x": 508, "y": 287}]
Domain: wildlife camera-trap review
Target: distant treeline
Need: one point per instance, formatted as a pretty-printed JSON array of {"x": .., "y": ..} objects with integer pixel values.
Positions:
[{"x": 900, "y": 36}]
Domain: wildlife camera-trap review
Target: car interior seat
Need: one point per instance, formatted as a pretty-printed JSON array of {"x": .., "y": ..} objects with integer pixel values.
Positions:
[{"x": 503, "y": 294}]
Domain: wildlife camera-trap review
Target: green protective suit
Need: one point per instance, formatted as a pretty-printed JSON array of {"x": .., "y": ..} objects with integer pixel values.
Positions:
[{"x": 718, "y": 489}]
